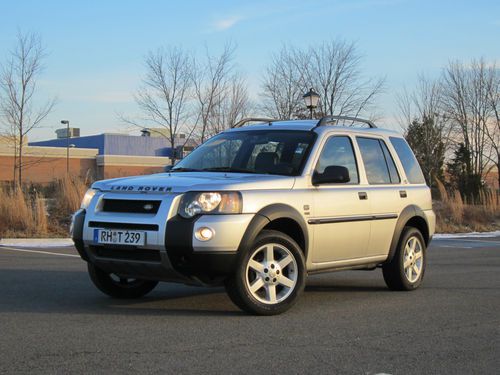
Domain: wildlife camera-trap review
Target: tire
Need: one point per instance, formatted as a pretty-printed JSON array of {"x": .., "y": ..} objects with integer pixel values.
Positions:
[
  {"x": 406, "y": 269},
  {"x": 275, "y": 267},
  {"x": 117, "y": 287}
]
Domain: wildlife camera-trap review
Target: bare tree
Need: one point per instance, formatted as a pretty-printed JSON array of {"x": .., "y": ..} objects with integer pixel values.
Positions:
[
  {"x": 232, "y": 106},
  {"x": 283, "y": 85},
  {"x": 211, "y": 80},
  {"x": 424, "y": 101},
  {"x": 493, "y": 126},
  {"x": 466, "y": 100},
  {"x": 426, "y": 128},
  {"x": 333, "y": 69},
  {"x": 18, "y": 86},
  {"x": 163, "y": 98}
]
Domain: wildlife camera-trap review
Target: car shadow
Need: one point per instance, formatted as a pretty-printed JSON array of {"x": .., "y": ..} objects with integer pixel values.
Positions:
[{"x": 63, "y": 292}]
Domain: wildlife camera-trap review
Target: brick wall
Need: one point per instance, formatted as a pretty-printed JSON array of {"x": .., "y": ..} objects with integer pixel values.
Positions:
[
  {"x": 45, "y": 170},
  {"x": 46, "y": 164}
]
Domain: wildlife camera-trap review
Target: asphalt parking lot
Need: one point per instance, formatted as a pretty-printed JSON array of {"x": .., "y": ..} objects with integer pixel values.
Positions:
[{"x": 52, "y": 320}]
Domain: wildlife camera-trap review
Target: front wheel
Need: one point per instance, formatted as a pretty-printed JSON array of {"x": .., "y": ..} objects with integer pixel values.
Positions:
[
  {"x": 406, "y": 269},
  {"x": 270, "y": 276},
  {"x": 118, "y": 286}
]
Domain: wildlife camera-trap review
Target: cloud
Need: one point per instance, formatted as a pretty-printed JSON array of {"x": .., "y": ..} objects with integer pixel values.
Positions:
[{"x": 226, "y": 23}]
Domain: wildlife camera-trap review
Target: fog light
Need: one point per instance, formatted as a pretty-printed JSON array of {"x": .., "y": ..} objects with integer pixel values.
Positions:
[{"x": 204, "y": 234}]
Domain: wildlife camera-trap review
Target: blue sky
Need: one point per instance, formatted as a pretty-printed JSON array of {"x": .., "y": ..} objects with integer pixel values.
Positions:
[{"x": 96, "y": 48}]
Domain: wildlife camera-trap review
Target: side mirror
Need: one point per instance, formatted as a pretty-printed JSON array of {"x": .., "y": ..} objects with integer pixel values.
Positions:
[
  {"x": 167, "y": 168},
  {"x": 333, "y": 174}
]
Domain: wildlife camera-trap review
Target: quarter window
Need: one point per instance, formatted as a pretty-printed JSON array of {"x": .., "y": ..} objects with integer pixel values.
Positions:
[
  {"x": 379, "y": 165},
  {"x": 338, "y": 151},
  {"x": 410, "y": 163}
]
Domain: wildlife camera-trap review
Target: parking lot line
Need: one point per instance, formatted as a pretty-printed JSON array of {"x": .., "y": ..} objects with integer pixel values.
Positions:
[{"x": 38, "y": 252}]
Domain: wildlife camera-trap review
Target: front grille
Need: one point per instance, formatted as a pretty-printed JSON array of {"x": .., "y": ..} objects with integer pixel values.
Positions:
[
  {"x": 108, "y": 225},
  {"x": 144, "y": 255},
  {"x": 131, "y": 206}
]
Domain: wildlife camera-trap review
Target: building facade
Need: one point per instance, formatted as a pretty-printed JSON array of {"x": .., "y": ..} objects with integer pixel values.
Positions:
[{"x": 96, "y": 157}]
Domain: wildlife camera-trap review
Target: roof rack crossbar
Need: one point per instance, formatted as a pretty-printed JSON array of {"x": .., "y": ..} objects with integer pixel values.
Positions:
[
  {"x": 242, "y": 122},
  {"x": 328, "y": 119}
]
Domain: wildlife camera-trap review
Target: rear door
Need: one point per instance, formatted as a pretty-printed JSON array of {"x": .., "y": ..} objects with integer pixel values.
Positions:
[{"x": 386, "y": 195}]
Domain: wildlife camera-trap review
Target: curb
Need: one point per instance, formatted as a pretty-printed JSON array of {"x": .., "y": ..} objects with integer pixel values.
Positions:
[
  {"x": 36, "y": 242},
  {"x": 466, "y": 235}
]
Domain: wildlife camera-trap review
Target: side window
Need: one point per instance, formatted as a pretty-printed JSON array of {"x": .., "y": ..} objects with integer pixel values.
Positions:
[
  {"x": 393, "y": 171},
  {"x": 410, "y": 163},
  {"x": 379, "y": 166},
  {"x": 338, "y": 151}
]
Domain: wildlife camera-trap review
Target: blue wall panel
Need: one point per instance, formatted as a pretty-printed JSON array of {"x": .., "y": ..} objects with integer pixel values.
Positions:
[{"x": 115, "y": 144}]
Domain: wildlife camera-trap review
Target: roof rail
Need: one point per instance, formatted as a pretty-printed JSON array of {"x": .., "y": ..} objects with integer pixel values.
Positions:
[
  {"x": 328, "y": 119},
  {"x": 240, "y": 123}
]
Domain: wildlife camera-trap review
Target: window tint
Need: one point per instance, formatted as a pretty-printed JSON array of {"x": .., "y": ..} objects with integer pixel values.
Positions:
[
  {"x": 282, "y": 152},
  {"x": 379, "y": 166},
  {"x": 393, "y": 171},
  {"x": 339, "y": 151},
  {"x": 221, "y": 154},
  {"x": 269, "y": 147},
  {"x": 410, "y": 163}
]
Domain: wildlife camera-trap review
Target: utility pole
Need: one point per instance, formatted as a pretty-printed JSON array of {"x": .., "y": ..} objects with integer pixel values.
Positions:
[{"x": 66, "y": 122}]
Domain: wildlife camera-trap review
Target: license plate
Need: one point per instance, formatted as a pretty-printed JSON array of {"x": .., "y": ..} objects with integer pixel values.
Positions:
[{"x": 119, "y": 237}]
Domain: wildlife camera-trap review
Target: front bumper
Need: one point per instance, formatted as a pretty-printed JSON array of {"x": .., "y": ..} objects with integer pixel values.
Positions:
[{"x": 171, "y": 252}]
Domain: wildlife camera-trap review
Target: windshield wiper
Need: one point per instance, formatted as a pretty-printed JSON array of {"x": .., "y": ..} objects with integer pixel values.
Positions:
[
  {"x": 182, "y": 169},
  {"x": 228, "y": 169}
]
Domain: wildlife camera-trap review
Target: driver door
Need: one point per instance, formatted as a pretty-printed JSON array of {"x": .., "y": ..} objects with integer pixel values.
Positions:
[{"x": 341, "y": 222}]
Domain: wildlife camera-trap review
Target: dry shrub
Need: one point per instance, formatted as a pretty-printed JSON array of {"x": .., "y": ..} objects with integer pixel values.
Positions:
[
  {"x": 67, "y": 198},
  {"x": 454, "y": 215},
  {"x": 442, "y": 191},
  {"x": 40, "y": 215},
  {"x": 490, "y": 202},
  {"x": 21, "y": 215},
  {"x": 456, "y": 205},
  {"x": 71, "y": 191}
]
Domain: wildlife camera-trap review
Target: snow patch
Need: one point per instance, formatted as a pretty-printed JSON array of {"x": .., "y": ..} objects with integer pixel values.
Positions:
[
  {"x": 37, "y": 242},
  {"x": 467, "y": 235}
]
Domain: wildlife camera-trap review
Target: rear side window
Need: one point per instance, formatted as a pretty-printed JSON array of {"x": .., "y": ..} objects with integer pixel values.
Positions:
[
  {"x": 379, "y": 165},
  {"x": 408, "y": 160}
]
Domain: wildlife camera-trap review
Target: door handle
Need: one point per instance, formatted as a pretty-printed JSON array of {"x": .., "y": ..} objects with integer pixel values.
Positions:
[
  {"x": 362, "y": 195},
  {"x": 402, "y": 193}
]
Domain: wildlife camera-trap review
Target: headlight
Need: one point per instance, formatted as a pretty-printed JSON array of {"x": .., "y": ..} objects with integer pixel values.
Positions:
[
  {"x": 196, "y": 203},
  {"x": 88, "y": 197}
]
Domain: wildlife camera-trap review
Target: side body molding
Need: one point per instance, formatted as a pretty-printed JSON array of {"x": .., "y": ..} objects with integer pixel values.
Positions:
[{"x": 408, "y": 213}]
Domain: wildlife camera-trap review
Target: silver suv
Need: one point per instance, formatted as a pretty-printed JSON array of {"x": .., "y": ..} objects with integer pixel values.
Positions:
[{"x": 258, "y": 208}]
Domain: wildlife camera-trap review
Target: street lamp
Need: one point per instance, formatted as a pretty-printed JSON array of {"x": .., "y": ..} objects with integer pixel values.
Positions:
[
  {"x": 66, "y": 122},
  {"x": 311, "y": 99}
]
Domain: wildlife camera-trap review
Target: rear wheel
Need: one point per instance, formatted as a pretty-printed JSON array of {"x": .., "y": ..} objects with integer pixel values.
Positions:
[
  {"x": 406, "y": 270},
  {"x": 117, "y": 286},
  {"x": 270, "y": 276}
]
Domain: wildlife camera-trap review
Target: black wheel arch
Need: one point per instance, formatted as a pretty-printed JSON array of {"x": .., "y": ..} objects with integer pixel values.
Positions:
[
  {"x": 413, "y": 216},
  {"x": 279, "y": 217}
]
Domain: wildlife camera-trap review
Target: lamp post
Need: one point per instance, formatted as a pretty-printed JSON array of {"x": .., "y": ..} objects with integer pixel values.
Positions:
[
  {"x": 311, "y": 99},
  {"x": 66, "y": 122}
]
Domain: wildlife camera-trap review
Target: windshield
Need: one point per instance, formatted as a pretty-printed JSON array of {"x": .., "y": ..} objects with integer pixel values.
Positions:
[{"x": 281, "y": 152}]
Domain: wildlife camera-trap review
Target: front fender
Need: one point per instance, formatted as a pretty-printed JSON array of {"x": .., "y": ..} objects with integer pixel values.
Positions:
[{"x": 267, "y": 215}]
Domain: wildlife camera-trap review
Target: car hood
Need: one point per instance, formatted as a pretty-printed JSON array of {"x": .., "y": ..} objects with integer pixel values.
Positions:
[{"x": 181, "y": 182}]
